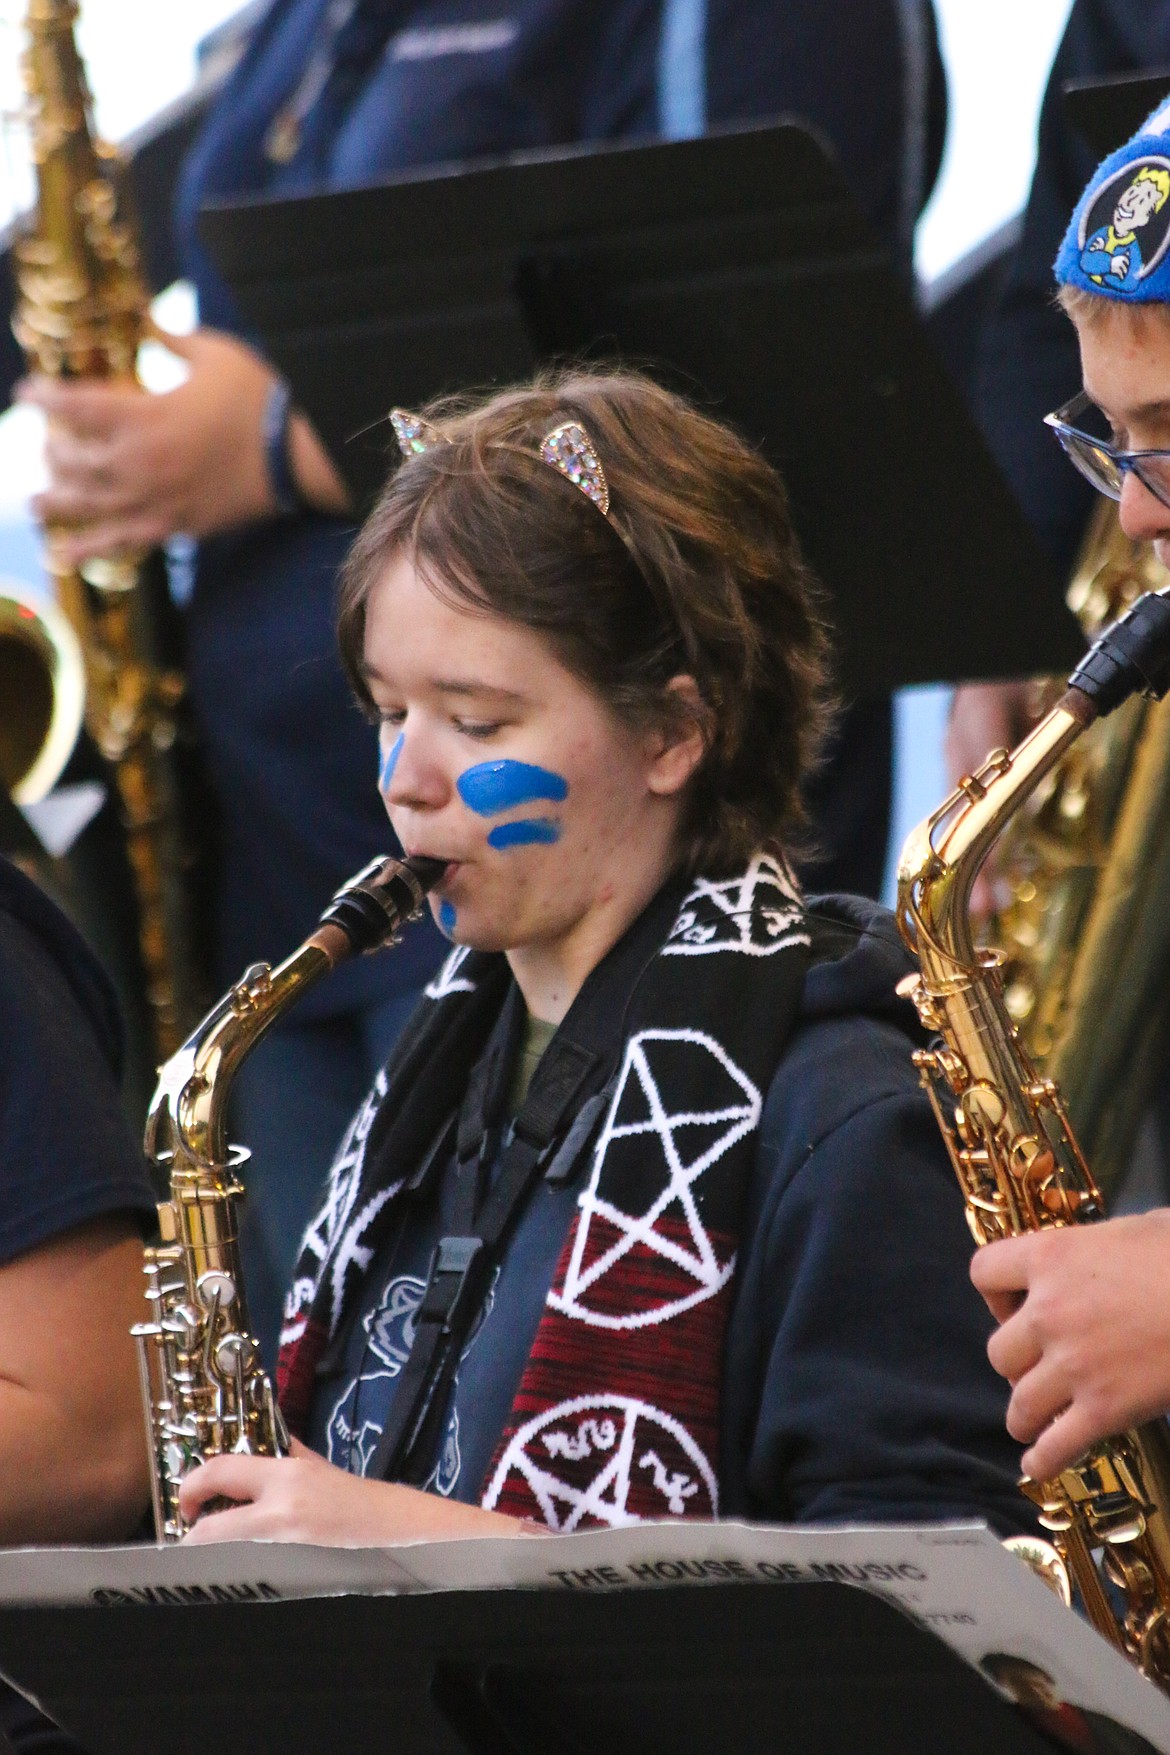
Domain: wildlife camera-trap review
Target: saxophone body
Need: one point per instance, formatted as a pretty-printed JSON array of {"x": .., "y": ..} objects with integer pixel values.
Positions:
[
  {"x": 1009, "y": 1138},
  {"x": 82, "y": 312},
  {"x": 204, "y": 1389},
  {"x": 1084, "y": 867}
]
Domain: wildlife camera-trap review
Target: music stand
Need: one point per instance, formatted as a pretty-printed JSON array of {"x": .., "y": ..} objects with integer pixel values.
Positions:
[
  {"x": 1107, "y": 111},
  {"x": 739, "y": 269},
  {"x": 809, "y": 1669}
]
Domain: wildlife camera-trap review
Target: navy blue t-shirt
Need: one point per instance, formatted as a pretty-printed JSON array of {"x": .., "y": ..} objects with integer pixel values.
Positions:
[{"x": 67, "y": 1154}]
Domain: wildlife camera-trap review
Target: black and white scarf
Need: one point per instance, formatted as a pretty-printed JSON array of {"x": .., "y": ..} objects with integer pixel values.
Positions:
[{"x": 617, "y": 1414}]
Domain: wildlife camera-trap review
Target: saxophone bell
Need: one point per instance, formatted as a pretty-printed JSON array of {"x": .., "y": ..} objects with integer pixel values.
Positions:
[{"x": 42, "y": 685}]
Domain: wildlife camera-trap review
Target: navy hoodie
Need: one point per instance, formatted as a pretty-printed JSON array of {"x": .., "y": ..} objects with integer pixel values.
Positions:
[{"x": 856, "y": 1383}]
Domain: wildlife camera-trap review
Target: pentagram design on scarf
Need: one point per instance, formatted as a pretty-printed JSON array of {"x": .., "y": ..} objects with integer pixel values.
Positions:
[
  {"x": 662, "y": 1072},
  {"x": 757, "y": 913},
  {"x": 608, "y": 1459}
]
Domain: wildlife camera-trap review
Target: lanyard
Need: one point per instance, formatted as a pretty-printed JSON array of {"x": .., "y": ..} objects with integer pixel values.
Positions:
[
  {"x": 564, "y": 1105},
  {"x": 462, "y": 1261}
]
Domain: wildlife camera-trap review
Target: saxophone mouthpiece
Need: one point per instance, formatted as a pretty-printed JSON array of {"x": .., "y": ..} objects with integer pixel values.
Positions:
[
  {"x": 1131, "y": 657},
  {"x": 371, "y": 907},
  {"x": 427, "y": 871}
]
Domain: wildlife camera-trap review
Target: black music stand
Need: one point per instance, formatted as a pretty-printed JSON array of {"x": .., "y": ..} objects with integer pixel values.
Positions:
[
  {"x": 803, "y": 1669},
  {"x": 1106, "y": 111},
  {"x": 739, "y": 269}
]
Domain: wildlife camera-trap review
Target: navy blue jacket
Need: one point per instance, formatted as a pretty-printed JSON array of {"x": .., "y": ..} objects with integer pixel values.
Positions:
[
  {"x": 1029, "y": 364},
  {"x": 416, "y": 82},
  {"x": 856, "y": 1383}
]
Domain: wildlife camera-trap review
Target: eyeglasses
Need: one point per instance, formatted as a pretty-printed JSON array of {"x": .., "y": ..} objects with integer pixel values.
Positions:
[{"x": 1098, "y": 460}]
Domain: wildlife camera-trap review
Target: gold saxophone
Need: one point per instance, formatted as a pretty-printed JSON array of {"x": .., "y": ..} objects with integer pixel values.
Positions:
[
  {"x": 1008, "y": 1134},
  {"x": 1085, "y": 865},
  {"x": 82, "y": 312},
  {"x": 204, "y": 1389}
]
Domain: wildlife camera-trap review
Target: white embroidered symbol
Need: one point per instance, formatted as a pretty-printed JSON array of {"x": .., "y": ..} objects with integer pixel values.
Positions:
[
  {"x": 594, "y": 1479},
  {"x": 758, "y": 913},
  {"x": 447, "y": 980},
  {"x": 691, "y": 1141},
  {"x": 676, "y": 1489},
  {"x": 590, "y": 1435}
]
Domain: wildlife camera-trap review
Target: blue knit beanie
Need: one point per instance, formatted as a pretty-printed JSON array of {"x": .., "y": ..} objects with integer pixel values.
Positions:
[{"x": 1117, "y": 242}]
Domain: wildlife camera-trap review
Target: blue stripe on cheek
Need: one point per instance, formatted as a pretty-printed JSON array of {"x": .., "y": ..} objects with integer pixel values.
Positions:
[
  {"x": 388, "y": 761},
  {"x": 447, "y": 918},
  {"x": 524, "y": 833},
  {"x": 491, "y": 787}
]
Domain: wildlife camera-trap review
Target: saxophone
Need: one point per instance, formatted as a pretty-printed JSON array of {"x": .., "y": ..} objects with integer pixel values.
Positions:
[
  {"x": 1010, "y": 1141},
  {"x": 1085, "y": 865},
  {"x": 82, "y": 312},
  {"x": 204, "y": 1390}
]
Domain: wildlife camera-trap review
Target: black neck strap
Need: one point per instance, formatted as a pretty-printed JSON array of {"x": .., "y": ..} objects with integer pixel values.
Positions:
[{"x": 562, "y": 1109}]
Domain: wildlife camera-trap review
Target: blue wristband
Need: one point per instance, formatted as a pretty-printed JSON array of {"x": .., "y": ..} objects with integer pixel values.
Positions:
[{"x": 274, "y": 431}]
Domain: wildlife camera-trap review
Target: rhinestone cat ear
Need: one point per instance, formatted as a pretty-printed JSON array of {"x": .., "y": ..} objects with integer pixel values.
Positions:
[
  {"x": 569, "y": 449},
  {"x": 414, "y": 434}
]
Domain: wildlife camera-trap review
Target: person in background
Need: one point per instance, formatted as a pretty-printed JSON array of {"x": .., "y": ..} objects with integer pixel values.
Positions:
[
  {"x": 329, "y": 94},
  {"x": 75, "y": 1200},
  {"x": 1085, "y": 1311},
  {"x": 75, "y": 1203}
]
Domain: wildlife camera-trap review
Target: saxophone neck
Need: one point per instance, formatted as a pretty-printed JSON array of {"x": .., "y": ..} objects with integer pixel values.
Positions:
[
  {"x": 186, "y": 1129},
  {"x": 61, "y": 105},
  {"x": 83, "y": 295},
  {"x": 943, "y": 855}
]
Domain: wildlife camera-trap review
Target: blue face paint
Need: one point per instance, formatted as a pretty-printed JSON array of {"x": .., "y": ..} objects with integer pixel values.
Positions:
[
  {"x": 387, "y": 763},
  {"x": 492, "y": 787},
  {"x": 524, "y": 833},
  {"x": 447, "y": 918}
]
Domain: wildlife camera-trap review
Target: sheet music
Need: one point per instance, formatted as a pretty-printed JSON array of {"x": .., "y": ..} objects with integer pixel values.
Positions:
[{"x": 955, "y": 1579}]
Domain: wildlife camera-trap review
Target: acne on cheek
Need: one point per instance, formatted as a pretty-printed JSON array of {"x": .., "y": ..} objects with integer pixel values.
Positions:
[{"x": 490, "y": 788}]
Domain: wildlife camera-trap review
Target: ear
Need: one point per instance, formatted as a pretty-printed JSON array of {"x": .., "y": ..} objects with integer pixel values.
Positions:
[{"x": 676, "y": 751}]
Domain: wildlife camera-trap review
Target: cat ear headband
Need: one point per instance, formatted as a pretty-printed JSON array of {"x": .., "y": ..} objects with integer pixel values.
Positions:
[{"x": 567, "y": 448}]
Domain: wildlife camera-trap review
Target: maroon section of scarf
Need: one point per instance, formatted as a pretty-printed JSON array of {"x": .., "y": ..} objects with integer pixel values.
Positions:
[
  {"x": 613, "y": 1425},
  {"x": 296, "y": 1373}
]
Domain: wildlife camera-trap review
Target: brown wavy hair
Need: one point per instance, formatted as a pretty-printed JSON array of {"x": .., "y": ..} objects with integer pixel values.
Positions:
[{"x": 696, "y": 571}]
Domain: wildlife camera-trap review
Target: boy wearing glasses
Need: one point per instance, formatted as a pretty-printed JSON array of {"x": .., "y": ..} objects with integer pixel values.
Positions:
[{"x": 1085, "y": 1312}]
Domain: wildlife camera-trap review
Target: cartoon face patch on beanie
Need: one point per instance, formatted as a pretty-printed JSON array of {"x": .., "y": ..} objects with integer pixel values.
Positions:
[{"x": 1118, "y": 240}]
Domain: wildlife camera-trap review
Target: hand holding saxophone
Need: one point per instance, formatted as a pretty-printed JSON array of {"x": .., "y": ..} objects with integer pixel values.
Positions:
[
  {"x": 128, "y": 470},
  {"x": 1084, "y": 1357},
  {"x": 303, "y": 1498}
]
